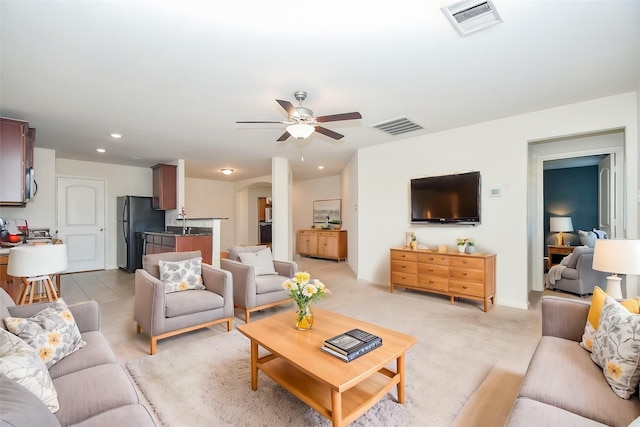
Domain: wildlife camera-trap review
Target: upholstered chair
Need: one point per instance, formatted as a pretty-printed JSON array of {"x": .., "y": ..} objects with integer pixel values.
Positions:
[
  {"x": 578, "y": 276},
  {"x": 162, "y": 315},
  {"x": 256, "y": 287}
]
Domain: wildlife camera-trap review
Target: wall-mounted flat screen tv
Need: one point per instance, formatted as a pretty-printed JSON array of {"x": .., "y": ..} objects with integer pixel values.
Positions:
[{"x": 446, "y": 199}]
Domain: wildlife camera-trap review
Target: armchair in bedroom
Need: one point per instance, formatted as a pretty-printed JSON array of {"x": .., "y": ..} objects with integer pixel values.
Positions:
[
  {"x": 575, "y": 273},
  {"x": 257, "y": 280}
]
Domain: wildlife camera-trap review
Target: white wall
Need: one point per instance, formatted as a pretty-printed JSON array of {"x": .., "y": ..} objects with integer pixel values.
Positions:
[
  {"x": 499, "y": 150},
  {"x": 206, "y": 198},
  {"x": 41, "y": 211},
  {"x": 119, "y": 181},
  {"x": 349, "y": 192}
]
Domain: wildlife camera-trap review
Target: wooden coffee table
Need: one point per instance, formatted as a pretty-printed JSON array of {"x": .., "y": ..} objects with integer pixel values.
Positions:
[{"x": 339, "y": 391}]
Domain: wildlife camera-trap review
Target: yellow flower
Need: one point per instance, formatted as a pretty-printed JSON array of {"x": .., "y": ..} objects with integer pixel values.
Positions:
[
  {"x": 183, "y": 286},
  {"x": 45, "y": 354},
  {"x": 614, "y": 370},
  {"x": 302, "y": 277},
  {"x": 54, "y": 339},
  {"x": 66, "y": 315}
]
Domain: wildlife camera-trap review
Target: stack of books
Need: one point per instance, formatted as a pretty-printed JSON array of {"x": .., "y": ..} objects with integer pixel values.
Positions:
[{"x": 351, "y": 345}]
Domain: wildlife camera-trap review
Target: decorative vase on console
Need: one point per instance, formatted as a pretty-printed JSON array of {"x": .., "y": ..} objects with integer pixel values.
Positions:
[
  {"x": 462, "y": 244},
  {"x": 471, "y": 247}
]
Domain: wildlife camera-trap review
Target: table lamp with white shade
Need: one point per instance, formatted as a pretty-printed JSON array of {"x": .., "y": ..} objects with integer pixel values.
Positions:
[
  {"x": 36, "y": 264},
  {"x": 617, "y": 256},
  {"x": 560, "y": 224}
]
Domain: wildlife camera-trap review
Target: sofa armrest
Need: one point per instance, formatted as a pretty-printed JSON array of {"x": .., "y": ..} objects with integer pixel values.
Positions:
[
  {"x": 564, "y": 317},
  {"x": 285, "y": 268},
  {"x": 149, "y": 303},
  {"x": 244, "y": 282},
  {"x": 86, "y": 314},
  {"x": 220, "y": 282}
]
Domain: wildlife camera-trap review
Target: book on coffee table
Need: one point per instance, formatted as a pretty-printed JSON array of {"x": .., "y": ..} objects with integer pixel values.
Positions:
[{"x": 351, "y": 344}]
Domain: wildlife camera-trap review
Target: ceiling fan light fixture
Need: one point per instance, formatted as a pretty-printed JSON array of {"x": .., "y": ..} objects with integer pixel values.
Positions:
[{"x": 300, "y": 130}]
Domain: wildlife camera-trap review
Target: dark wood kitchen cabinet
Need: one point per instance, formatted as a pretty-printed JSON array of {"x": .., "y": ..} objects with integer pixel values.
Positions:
[
  {"x": 164, "y": 187},
  {"x": 157, "y": 243},
  {"x": 16, "y": 159}
]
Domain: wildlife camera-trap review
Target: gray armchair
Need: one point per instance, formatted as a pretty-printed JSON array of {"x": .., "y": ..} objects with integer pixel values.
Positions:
[
  {"x": 252, "y": 293},
  {"x": 163, "y": 315},
  {"x": 578, "y": 276}
]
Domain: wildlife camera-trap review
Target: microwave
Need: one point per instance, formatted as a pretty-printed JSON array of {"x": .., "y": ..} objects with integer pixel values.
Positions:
[{"x": 31, "y": 186}]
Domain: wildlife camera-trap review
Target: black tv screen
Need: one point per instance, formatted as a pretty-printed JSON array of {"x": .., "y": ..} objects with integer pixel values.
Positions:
[{"x": 446, "y": 199}]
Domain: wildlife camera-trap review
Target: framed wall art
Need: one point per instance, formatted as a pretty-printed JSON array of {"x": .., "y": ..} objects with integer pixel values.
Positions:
[{"x": 327, "y": 211}]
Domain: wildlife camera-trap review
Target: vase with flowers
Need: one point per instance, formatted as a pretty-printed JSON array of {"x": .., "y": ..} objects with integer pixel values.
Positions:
[
  {"x": 303, "y": 292},
  {"x": 462, "y": 243}
]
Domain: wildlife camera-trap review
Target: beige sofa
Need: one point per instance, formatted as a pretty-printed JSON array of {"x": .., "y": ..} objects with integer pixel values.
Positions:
[
  {"x": 93, "y": 388},
  {"x": 563, "y": 386}
]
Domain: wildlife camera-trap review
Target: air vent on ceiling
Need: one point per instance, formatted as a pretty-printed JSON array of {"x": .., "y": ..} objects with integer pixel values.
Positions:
[
  {"x": 472, "y": 15},
  {"x": 397, "y": 126}
]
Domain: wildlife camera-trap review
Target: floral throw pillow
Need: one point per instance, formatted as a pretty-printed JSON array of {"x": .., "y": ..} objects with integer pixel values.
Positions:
[
  {"x": 20, "y": 362},
  {"x": 616, "y": 347},
  {"x": 261, "y": 260},
  {"x": 181, "y": 275},
  {"x": 52, "y": 332},
  {"x": 593, "y": 318}
]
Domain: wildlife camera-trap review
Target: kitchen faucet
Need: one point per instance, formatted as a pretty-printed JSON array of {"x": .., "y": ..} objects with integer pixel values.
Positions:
[{"x": 184, "y": 220}]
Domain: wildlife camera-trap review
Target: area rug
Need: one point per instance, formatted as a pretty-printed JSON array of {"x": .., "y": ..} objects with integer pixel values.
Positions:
[{"x": 207, "y": 383}]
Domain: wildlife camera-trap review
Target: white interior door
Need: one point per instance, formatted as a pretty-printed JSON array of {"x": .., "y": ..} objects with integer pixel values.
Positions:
[
  {"x": 610, "y": 197},
  {"x": 80, "y": 222}
]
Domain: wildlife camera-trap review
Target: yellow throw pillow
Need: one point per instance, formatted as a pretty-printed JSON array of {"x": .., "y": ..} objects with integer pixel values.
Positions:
[{"x": 593, "y": 318}]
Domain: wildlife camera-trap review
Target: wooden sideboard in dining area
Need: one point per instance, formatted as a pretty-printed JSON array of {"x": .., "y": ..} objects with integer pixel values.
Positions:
[{"x": 455, "y": 274}]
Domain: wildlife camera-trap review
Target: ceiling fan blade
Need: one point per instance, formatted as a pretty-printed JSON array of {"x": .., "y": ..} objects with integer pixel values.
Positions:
[
  {"x": 284, "y": 136},
  {"x": 338, "y": 117},
  {"x": 328, "y": 132},
  {"x": 291, "y": 110},
  {"x": 262, "y": 122}
]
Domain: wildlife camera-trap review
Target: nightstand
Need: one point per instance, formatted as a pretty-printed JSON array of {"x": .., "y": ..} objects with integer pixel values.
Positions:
[{"x": 555, "y": 253}]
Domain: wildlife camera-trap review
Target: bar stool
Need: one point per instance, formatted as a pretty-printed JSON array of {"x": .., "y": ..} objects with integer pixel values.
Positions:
[{"x": 35, "y": 265}]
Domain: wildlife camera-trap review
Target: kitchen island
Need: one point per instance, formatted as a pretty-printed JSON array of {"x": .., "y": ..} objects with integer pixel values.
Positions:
[{"x": 157, "y": 242}]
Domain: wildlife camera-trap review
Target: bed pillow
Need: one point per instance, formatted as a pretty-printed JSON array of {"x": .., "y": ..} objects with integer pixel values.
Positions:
[
  {"x": 593, "y": 318},
  {"x": 261, "y": 260},
  {"x": 616, "y": 348},
  {"x": 52, "y": 332},
  {"x": 181, "y": 275},
  {"x": 20, "y": 362}
]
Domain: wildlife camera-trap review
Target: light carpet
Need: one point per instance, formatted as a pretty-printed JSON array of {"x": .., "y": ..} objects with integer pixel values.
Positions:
[{"x": 207, "y": 383}]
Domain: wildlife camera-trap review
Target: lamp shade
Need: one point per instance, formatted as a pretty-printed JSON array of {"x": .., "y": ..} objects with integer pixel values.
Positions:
[
  {"x": 561, "y": 223},
  {"x": 40, "y": 260},
  {"x": 300, "y": 130},
  {"x": 617, "y": 256}
]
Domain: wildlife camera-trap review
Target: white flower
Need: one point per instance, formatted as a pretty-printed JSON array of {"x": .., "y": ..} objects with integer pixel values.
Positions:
[
  {"x": 309, "y": 290},
  {"x": 290, "y": 286}
]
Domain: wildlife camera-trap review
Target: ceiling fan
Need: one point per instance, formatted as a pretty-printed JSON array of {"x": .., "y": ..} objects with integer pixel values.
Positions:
[{"x": 301, "y": 122}]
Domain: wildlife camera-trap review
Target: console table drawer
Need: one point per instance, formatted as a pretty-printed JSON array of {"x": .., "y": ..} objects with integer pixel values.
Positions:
[
  {"x": 404, "y": 256},
  {"x": 403, "y": 278},
  {"x": 467, "y": 274},
  {"x": 433, "y": 270},
  {"x": 404, "y": 266},
  {"x": 466, "y": 288},
  {"x": 433, "y": 259},
  {"x": 433, "y": 282},
  {"x": 467, "y": 262}
]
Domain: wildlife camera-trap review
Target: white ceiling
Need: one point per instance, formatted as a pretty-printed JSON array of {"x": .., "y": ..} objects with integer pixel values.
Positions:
[{"x": 174, "y": 76}]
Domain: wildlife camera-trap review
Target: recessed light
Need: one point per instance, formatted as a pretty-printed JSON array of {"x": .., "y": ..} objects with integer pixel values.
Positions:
[
  {"x": 101, "y": 150},
  {"x": 116, "y": 135},
  {"x": 320, "y": 167},
  {"x": 226, "y": 171}
]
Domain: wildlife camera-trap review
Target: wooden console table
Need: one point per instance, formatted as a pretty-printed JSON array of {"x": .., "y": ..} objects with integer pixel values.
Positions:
[
  {"x": 455, "y": 274},
  {"x": 559, "y": 251}
]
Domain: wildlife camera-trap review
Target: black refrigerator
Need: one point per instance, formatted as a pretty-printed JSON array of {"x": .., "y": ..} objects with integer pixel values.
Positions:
[{"x": 135, "y": 215}]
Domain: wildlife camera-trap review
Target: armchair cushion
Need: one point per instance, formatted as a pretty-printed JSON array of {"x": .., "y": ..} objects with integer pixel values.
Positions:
[
  {"x": 587, "y": 238},
  {"x": 267, "y": 284},
  {"x": 179, "y": 304},
  {"x": 262, "y": 261},
  {"x": 235, "y": 251},
  {"x": 52, "y": 332},
  {"x": 181, "y": 275}
]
